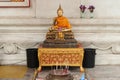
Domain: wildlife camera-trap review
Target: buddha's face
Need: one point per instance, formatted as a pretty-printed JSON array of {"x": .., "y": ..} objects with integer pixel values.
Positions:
[{"x": 60, "y": 13}]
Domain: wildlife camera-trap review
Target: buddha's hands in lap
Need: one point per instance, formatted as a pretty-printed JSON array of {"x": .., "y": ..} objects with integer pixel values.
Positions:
[{"x": 56, "y": 28}]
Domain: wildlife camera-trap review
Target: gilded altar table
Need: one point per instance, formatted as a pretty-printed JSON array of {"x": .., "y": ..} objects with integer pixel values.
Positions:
[{"x": 60, "y": 57}]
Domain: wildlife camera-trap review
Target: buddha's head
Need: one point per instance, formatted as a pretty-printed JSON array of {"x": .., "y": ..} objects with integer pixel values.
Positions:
[{"x": 60, "y": 11}]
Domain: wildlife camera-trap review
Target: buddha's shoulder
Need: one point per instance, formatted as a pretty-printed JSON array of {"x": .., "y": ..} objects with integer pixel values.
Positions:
[
  {"x": 60, "y": 18},
  {"x": 54, "y": 18},
  {"x": 63, "y": 17}
]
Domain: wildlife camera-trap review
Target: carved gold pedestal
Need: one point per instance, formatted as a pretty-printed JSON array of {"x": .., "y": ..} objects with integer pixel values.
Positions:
[{"x": 60, "y": 57}]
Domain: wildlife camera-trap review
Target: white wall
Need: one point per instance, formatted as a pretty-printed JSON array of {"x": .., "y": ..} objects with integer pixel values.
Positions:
[
  {"x": 22, "y": 28},
  {"x": 103, "y": 8},
  {"x": 49, "y": 9},
  {"x": 45, "y": 9}
]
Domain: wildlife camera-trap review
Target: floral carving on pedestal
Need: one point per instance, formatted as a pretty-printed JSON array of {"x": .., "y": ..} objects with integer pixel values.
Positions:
[{"x": 61, "y": 58}]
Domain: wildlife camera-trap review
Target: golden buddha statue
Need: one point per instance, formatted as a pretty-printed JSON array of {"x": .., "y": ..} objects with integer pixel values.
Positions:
[
  {"x": 60, "y": 25},
  {"x": 60, "y": 22},
  {"x": 60, "y": 34}
]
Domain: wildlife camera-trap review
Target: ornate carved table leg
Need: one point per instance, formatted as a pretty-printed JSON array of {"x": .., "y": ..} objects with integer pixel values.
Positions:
[
  {"x": 39, "y": 68},
  {"x": 35, "y": 75},
  {"x": 81, "y": 69}
]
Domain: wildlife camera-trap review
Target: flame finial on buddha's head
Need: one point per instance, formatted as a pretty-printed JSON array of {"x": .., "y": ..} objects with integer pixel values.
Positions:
[{"x": 59, "y": 8}]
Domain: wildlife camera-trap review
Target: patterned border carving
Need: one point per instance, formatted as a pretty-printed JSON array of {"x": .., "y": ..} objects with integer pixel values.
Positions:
[{"x": 24, "y": 4}]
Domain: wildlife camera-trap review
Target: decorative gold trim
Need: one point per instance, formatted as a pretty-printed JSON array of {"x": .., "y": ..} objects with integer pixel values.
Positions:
[
  {"x": 15, "y": 4},
  {"x": 60, "y": 56}
]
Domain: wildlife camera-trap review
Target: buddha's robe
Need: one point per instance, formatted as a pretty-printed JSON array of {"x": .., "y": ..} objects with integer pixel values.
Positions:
[{"x": 62, "y": 22}]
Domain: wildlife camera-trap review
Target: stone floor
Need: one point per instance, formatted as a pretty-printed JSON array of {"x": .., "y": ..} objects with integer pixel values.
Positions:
[
  {"x": 107, "y": 72},
  {"x": 104, "y": 72}
]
